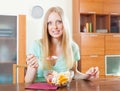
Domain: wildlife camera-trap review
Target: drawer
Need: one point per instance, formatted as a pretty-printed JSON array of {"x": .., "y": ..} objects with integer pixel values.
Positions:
[
  {"x": 92, "y": 61},
  {"x": 112, "y": 45},
  {"x": 92, "y": 44}
]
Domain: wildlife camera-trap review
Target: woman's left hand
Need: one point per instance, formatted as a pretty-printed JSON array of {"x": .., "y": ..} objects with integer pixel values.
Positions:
[{"x": 92, "y": 73}]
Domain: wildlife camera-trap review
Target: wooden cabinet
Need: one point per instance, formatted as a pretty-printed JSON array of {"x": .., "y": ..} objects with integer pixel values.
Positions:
[
  {"x": 112, "y": 44},
  {"x": 92, "y": 44},
  {"x": 93, "y": 61},
  {"x": 114, "y": 24},
  {"x": 102, "y": 23},
  {"x": 98, "y": 22},
  {"x": 95, "y": 46},
  {"x": 111, "y": 6},
  {"x": 100, "y": 6},
  {"x": 92, "y": 52},
  {"x": 91, "y": 6},
  {"x": 87, "y": 18}
]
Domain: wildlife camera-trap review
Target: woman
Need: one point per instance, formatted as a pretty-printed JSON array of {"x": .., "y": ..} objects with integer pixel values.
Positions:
[{"x": 56, "y": 43}]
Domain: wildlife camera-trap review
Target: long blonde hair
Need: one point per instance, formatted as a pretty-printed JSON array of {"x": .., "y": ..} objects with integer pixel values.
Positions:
[{"x": 66, "y": 39}]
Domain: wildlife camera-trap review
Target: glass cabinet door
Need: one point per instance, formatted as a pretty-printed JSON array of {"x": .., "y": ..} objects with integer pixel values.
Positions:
[
  {"x": 112, "y": 65},
  {"x": 8, "y": 46}
]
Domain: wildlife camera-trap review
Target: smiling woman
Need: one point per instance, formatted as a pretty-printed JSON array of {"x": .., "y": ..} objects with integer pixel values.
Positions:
[{"x": 56, "y": 40}]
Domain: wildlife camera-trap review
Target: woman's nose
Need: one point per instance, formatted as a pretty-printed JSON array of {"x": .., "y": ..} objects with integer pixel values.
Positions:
[{"x": 54, "y": 25}]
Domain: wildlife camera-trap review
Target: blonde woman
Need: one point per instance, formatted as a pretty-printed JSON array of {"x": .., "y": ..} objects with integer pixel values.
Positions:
[{"x": 56, "y": 50}]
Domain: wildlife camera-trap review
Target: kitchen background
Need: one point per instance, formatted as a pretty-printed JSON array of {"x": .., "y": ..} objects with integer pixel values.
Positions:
[{"x": 13, "y": 8}]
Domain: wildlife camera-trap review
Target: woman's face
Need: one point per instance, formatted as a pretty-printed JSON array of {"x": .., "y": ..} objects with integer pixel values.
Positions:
[{"x": 55, "y": 25}]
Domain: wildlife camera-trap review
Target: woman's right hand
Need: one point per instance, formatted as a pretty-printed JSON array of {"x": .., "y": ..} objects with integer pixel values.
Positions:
[{"x": 32, "y": 61}]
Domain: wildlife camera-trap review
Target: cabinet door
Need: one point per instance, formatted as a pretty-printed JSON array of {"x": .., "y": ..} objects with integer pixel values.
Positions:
[
  {"x": 111, "y": 6},
  {"x": 93, "y": 61},
  {"x": 114, "y": 24},
  {"x": 112, "y": 45},
  {"x": 92, "y": 44},
  {"x": 91, "y": 6}
]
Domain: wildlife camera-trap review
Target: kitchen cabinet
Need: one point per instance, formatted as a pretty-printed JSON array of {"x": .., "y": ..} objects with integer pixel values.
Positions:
[
  {"x": 100, "y": 6},
  {"x": 97, "y": 30},
  {"x": 112, "y": 44},
  {"x": 111, "y": 6},
  {"x": 92, "y": 44},
  {"x": 91, "y": 6},
  {"x": 87, "y": 18},
  {"x": 92, "y": 52},
  {"x": 99, "y": 23},
  {"x": 93, "y": 61}
]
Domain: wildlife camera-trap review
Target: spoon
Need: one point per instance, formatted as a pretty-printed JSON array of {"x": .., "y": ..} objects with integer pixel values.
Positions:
[
  {"x": 52, "y": 58},
  {"x": 49, "y": 58}
]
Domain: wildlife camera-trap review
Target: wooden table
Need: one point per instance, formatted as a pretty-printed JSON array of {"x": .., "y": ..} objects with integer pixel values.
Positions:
[{"x": 112, "y": 84}]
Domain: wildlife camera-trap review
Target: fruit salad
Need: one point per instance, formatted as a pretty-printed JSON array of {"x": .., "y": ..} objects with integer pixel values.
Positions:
[{"x": 59, "y": 79}]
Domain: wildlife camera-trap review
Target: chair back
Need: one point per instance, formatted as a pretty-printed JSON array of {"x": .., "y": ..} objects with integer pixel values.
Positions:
[{"x": 19, "y": 73}]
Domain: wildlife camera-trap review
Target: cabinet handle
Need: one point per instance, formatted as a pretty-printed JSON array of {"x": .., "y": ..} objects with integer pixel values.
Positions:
[
  {"x": 114, "y": 13},
  {"x": 93, "y": 55},
  {"x": 91, "y": 12},
  {"x": 116, "y": 35},
  {"x": 93, "y": 35}
]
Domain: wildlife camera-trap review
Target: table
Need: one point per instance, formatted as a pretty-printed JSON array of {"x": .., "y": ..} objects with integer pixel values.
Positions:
[{"x": 101, "y": 84}]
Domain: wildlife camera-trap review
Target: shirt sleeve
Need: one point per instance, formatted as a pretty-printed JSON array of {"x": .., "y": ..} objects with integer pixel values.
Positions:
[
  {"x": 76, "y": 51},
  {"x": 35, "y": 48}
]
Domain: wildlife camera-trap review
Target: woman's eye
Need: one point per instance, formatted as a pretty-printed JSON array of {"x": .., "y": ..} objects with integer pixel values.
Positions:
[
  {"x": 49, "y": 23},
  {"x": 59, "y": 21}
]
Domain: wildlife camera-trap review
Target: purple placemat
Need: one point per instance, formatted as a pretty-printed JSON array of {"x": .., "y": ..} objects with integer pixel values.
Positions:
[{"x": 40, "y": 85}]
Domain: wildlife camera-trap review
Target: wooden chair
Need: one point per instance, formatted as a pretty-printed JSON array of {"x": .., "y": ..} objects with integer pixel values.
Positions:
[{"x": 19, "y": 73}]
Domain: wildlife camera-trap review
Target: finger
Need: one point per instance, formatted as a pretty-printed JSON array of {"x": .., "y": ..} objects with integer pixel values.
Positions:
[
  {"x": 29, "y": 61},
  {"x": 90, "y": 71},
  {"x": 29, "y": 58},
  {"x": 96, "y": 71},
  {"x": 34, "y": 62},
  {"x": 36, "y": 65},
  {"x": 97, "y": 74}
]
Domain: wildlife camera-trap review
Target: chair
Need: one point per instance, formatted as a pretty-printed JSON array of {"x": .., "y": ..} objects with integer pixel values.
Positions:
[{"x": 19, "y": 73}]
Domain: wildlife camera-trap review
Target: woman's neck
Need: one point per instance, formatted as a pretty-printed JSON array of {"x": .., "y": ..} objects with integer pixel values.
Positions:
[
  {"x": 56, "y": 42},
  {"x": 55, "y": 47}
]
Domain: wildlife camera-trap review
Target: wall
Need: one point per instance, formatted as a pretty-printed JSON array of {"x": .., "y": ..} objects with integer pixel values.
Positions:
[{"x": 15, "y": 7}]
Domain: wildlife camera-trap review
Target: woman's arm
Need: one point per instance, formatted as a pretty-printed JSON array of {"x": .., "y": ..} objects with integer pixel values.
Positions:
[
  {"x": 32, "y": 63},
  {"x": 93, "y": 72}
]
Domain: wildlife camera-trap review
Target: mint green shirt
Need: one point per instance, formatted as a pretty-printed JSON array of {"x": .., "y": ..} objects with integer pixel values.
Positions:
[{"x": 60, "y": 65}]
